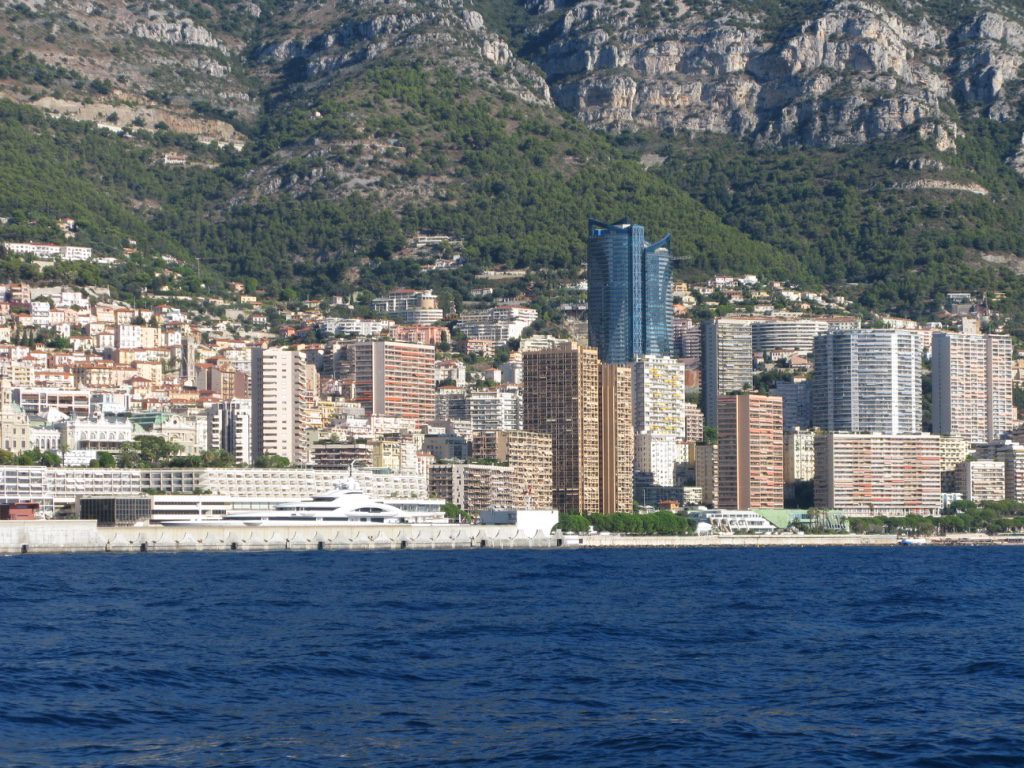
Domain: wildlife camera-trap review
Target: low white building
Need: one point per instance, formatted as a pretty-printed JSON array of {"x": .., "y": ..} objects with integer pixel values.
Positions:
[
  {"x": 733, "y": 521},
  {"x": 497, "y": 324},
  {"x": 530, "y": 521}
]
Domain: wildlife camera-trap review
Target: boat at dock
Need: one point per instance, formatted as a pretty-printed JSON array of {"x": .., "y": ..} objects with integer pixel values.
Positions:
[{"x": 346, "y": 504}]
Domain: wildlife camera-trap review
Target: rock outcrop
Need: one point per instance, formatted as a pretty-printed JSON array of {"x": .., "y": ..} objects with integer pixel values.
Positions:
[
  {"x": 855, "y": 73},
  {"x": 180, "y": 32}
]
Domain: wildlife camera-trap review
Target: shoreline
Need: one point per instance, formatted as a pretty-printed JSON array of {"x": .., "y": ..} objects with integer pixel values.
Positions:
[{"x": 84, "y": 536}]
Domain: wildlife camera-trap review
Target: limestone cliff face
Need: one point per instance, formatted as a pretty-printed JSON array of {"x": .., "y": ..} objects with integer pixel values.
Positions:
[{"x": 854, "y": 73}]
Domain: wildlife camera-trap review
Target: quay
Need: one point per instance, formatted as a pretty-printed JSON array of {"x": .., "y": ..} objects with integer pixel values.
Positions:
[
  {"x": 66, "y": 536},
  {"x": 71, "y": 536}
]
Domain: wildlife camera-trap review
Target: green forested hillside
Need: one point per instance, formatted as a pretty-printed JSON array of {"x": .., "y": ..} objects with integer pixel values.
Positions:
[
  {"x": 516, "y": 184},
  {"x": 853, "y": 218}
]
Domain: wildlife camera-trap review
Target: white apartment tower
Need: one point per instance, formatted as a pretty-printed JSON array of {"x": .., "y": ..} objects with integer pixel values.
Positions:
[
  {"x": 280, "y": 394},
  {"x": 727, "y": 362},
  {"x": 972, "y": 386},
  {"x": 867, "y": 381},
  {"x": 659, "y": 396}
]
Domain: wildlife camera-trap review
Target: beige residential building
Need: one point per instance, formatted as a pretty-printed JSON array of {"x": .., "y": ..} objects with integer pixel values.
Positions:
[
  {"x": 982, "y": 480},
  {"x": 694, "y": 423},
  {"x": 530, "y": 457},
  {"x": 972, "y": 386},
  {"x": 409, "y": 306},
  {"x": 103, "y": 374},
  {"x": 280, "y": 391},
  {"x": 616, "y": 438},
  {"x": 560, "y": 399},
  {"x": 877, "y": 474},
  {"x": 473, "y": 487},
  {"x": 750, "y": 452}
]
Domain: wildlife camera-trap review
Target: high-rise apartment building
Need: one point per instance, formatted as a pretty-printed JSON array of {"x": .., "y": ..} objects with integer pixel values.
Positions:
[
  {"x": 659, "y": 418},
  {"x": 750, "y": 448},
  {"x": 952, "y": 451},
  {"x": 727, "y": 362},
  {"x": 877, "y": 474},
  {"x": 867, "y": 381},
  {"x": 616, "y": 437},
  {"x": 280, "y": 397},
  {"x": 629, "y": 289},
  {"x": 659, "y": 396},
  {"x": 394, "y": 378},
  {"x": 560, "y": 399},
  {"x": 972, "y": 386},
  {"x": 686, "y": 338},
  {"x": 694, "y": 424}
]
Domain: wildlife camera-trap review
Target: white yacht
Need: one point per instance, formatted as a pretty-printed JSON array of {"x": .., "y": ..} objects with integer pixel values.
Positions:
[{"x": 346, "y": 504}]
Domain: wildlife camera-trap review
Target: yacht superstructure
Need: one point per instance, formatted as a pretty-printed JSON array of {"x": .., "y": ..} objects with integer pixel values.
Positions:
[{"x": 346, "y": 504}]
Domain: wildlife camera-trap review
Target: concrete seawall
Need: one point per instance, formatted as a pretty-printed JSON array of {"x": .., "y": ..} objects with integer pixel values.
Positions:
[
  {"x": 49, "y": 536},
  {"x": 53, "y": 536}
]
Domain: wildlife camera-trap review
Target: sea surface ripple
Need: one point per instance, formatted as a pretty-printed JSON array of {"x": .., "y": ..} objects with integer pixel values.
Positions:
[{"x": 709, "y": 657}]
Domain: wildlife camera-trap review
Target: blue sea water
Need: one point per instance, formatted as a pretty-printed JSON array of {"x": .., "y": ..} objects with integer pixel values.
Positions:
[{"x": 710, "y": 657}]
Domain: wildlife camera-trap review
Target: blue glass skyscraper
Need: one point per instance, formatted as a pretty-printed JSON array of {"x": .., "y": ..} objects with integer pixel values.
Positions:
[{"x": 629, "y": 292}]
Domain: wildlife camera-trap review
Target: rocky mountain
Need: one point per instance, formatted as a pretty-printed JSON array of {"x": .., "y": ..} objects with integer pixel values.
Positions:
[
  {"x": 847, "y": 142},
  {"x": 821, "y": 74},
  {"x": 852, "y": 73}
]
